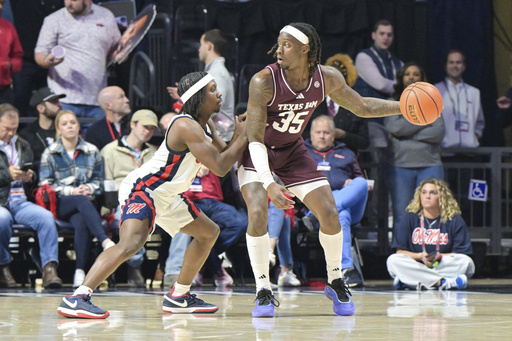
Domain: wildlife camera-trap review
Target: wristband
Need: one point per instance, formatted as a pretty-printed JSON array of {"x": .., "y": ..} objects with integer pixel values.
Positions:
[{"x": 259, "y": 159}]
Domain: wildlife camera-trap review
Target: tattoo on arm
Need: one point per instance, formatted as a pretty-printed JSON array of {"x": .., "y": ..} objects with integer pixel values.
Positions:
[{"x": 260, "y": 93}]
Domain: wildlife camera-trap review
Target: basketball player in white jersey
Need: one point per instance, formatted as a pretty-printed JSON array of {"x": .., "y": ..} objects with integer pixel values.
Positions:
[{"x": 151, "y": 195}]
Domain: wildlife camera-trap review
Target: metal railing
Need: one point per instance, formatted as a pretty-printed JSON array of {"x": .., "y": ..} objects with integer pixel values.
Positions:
[{"x": 488, "y": 221}]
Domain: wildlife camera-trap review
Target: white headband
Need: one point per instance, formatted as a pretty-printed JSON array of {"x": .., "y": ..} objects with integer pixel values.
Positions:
[
  {"x": 196, "y": 87},
  {"x": 297, "y": 34}
]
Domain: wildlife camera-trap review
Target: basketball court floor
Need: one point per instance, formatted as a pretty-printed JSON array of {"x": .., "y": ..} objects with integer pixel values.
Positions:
[{"x": 483, "y": 312}]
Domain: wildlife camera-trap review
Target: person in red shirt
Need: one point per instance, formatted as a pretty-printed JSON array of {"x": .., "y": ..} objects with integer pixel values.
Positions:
[{"x": 11, "y": 55}]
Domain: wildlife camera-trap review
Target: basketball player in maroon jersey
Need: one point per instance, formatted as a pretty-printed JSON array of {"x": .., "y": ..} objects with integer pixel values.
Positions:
[{"x": 282, "y": 98}]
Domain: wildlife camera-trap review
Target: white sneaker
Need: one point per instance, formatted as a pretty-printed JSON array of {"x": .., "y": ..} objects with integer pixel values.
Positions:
[
  {"x": 288, "y": 279},
  {"x": 272, "y": 258},
  {"x": 79, "y": 277},
  {"x": 459, "y": 282},
  {"x": 223, "y": 279}
]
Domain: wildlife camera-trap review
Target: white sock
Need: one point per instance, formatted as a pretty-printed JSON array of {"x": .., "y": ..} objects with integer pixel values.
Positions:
[
  {"x": 258, "y": 247},
  {"x": 82, "y": 290},
  {"x": 333, "y": 246},
  {"x": 179, "y": 289}
]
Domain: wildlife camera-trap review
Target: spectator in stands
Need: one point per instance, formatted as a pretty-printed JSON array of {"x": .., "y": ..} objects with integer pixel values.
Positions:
[
  {"x": 28, "y": 18},
  {"x": 377, "y": 68},
  {"x": 116, "y": 106},
  {"x": 74, "y": 169},
  {"x": 414, "y": 152},
  {"x": 206, "y": 193},
  {"x": 121, "y": 157},
  {"x": 11, "y": 57},
  {"x": 350, "y": 129},
  {"x": 89, "y": 34},
  {"x": 463, "y": 115},
  {"x": 432, "y": 242},
  {"x": 164, "y": 121},
  {"x": 349, "y": 187},
  {"x": 211, "y": 51},
  {"x": 41, "y": 133},
  {"x": 280, "y": 223},
  {"x": 15, "y": 183}
]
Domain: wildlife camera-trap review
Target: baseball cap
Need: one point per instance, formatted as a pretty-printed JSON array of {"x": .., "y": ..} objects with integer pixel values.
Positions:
[
  {"x": 43, "y": 95},
  {"x": 145, "y": 117}
]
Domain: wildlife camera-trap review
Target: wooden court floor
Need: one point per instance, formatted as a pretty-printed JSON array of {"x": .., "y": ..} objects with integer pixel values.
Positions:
[{"x": 304, "y": 314}]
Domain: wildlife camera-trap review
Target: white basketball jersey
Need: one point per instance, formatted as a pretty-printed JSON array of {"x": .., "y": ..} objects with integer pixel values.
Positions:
[{"x": 167, "y": 174}]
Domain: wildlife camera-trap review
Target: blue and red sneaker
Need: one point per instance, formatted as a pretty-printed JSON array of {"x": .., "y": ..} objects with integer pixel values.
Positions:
[
  {"x": 80, "y": 306},
  {"x": 188, "y": 303}
]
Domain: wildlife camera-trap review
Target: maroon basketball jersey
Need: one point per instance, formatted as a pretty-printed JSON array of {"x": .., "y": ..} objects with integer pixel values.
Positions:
[{"x": 289, "y": 112}]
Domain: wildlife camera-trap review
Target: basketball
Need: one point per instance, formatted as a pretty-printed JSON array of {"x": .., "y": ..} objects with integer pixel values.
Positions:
[{"x": 421, "y": 103}]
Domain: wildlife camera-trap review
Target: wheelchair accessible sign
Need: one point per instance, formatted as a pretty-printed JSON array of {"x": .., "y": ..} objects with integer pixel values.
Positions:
[{"x": 478, "y": 190}]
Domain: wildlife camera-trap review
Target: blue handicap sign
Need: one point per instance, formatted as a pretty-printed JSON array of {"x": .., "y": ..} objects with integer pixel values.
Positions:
[{"x": 478, "y": 190}]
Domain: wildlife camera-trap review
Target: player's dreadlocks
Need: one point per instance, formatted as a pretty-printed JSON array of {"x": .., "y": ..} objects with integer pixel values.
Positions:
[
  {"x": 191, "y": 107},
  {"x": 315, "y": 46}
]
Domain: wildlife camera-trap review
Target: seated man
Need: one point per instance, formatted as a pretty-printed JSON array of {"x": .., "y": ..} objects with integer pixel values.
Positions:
[
  {"x": 206, "y": 194},
  {"x": 121, "y": 157},
  {"x": 349, "y": 187},
  {"x": 15, "y": 182}
]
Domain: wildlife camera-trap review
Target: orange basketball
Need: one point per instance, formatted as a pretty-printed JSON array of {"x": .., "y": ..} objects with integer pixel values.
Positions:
[{"x": 421, "y": 103}]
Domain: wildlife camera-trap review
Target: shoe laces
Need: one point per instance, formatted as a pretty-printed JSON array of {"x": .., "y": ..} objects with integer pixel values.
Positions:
[
  {"x": 85, "y": 298},
  {"x": 340, "y": 287},
  {"x": 192, "y": 298},
  {"x": 265, "y": 297}
]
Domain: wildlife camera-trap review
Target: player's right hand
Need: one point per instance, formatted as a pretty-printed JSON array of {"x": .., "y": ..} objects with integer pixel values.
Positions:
[{"x": 276, "y": 193}]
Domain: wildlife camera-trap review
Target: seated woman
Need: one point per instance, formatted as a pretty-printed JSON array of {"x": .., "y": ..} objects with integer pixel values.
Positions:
[
  {"x": 74, "y": 168},
  {"x": 432, "y": 242}
]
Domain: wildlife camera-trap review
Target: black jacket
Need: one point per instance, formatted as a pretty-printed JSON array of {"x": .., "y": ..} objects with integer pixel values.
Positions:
[{"x": 25, "y": 155}]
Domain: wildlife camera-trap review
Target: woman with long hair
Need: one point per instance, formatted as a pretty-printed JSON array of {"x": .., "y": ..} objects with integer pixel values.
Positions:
[
  {"x": 432, "y": 242},
  {"x": 74, "y": 168},
  {"x": 414, "y": 152}
]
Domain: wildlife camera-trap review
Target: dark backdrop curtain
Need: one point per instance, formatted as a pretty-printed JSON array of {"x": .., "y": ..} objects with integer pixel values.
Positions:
[
  {"x": 424, "y": 32},
  {"x": 467, "y": 25}
]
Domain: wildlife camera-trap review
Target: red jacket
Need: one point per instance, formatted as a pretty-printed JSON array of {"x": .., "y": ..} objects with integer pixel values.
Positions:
[{"x": 10, "y": 51}]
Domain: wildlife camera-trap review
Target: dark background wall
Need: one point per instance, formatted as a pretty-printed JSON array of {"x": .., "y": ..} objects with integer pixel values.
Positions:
[{"x": 424, "y": 32}]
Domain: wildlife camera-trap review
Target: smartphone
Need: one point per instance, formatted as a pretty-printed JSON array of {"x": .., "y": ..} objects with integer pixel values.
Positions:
[
  {"x": 431, "y": 256},
  {"x": 27, "y": 166}
]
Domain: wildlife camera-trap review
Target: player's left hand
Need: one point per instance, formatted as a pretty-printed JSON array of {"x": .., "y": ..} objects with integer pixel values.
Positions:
[{"x": 279, "y": 196}]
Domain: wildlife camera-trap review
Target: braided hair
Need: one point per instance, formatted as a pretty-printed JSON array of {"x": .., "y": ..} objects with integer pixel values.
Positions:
[
  {"x": 315, "y": 46},
  {"x": 191, "y": 107}
]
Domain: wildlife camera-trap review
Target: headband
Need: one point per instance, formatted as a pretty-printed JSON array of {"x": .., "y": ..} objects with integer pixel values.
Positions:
[
  {"x": 297, "y": 34},
  {"x": 196, "y": 87}
]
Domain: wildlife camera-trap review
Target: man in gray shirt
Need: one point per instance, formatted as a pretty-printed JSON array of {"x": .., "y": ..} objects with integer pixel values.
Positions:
[
  {"x": 88, "y": 35},
  {"x": 213, "y": 43}
]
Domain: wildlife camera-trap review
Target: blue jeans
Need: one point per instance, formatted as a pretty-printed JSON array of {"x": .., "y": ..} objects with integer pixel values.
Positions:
[
  {"x": 402, "y": 183},
  {"x": 83, "y": 110},
  {"x": 232, "y": 224},
  {"x": 279, "y": 227},
  {"x": 174, "y": 262},
  {"x": 350, "y": 202},
  {"x": 38, "y": 218},
  {"x": 81, "y": 213}
]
